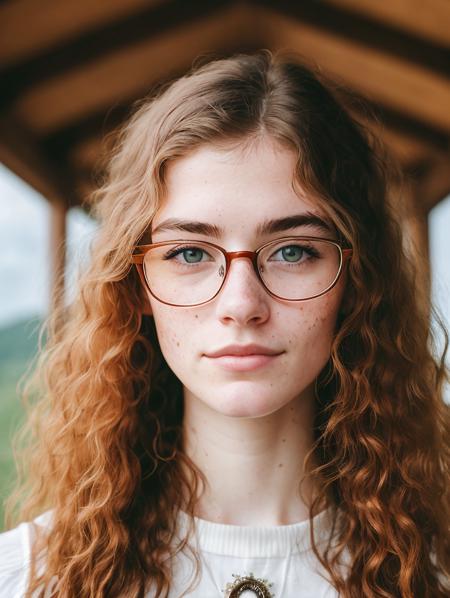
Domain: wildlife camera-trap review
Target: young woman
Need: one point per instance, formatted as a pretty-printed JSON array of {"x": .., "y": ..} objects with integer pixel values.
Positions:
[{"x": 243, "y": 400}]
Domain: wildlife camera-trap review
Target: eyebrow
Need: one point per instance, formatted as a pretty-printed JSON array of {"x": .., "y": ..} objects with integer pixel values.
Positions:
[{"x": 266, "y": 227}]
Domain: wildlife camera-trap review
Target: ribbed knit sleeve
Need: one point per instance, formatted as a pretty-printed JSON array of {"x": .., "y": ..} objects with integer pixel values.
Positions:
[
  {"x": 14, "y": 562},
  {"x": 15, "y": 555}
]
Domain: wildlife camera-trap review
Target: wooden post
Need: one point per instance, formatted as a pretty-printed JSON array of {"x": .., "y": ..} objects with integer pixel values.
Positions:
[
  {"x": 428, "y": 188},
  {"x": 57, "y": 254},
  {"x": 417, "y": 243}
]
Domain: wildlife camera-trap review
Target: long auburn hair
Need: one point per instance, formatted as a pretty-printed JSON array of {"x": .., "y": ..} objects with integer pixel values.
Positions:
[{"x": 102, "y": 447}]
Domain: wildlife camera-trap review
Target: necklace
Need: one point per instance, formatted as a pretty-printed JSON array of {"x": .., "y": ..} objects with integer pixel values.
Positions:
[{"x": 260, "y": 588}]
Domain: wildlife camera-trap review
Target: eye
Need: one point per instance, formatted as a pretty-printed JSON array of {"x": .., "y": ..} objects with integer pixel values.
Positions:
[
  {"x": 190, "y": 253},
  {"x": 295, "y": 253}
]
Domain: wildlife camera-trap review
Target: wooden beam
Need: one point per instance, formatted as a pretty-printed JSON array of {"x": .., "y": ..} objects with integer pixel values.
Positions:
[
  {"x": 30, "y": 28},
  {"x": 402, "y": 123},
  {"x": 358, "y": 28},
  {"x": 409, "y": 140},
  {"x": 407, "y": 150},
  {"x": 126, "y": 73},
  {"x": 418, "y": 89},
  {"x": 41, "y": 44},
  {"x": 434, "y": 184},
  {"x": 88, "y": 124},
  {"x": 429, "y": 20},
  {"x": 99, "y": 124},
  {"x": 89, "y": 153},
  {"x": 22, "y": 153},
  {"x": 392, "y": 81},
  {"x": 154, "y": 19}
]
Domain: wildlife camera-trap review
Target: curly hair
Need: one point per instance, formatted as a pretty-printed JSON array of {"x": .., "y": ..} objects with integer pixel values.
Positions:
[{"x": 102, "y": 447}]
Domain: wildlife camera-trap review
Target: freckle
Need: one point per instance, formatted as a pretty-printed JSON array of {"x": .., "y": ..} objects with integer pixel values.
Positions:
[
  {"x": 196, "y": 315},
  {"x": 280, "y": 464},
  {"x": 283, "y": 440},
  {"x": 178, "y": 344}
]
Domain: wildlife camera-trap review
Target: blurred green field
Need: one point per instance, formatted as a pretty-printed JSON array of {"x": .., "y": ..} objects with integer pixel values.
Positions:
[{"x": 18, "y": 345}]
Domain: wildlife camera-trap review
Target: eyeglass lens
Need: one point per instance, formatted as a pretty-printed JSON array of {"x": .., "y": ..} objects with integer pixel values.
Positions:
[{"x": 191, "y": 273}]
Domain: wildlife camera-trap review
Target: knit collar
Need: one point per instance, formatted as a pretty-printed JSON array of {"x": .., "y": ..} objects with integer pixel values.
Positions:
[{"x": 255, "y": 541}]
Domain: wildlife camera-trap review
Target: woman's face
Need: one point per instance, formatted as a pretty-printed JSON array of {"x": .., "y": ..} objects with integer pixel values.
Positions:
[{"x": 237, "y": 190}]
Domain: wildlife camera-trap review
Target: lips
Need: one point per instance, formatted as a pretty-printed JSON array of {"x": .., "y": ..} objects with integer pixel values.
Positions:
[{"x": 242, "y": 350}]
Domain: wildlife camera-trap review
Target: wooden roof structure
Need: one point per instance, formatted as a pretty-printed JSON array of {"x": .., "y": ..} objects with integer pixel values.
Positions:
[{"x": 71, "y": 70}]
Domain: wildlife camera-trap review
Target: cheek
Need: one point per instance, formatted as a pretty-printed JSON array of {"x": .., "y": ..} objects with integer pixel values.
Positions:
[
  {"x": 312, "y": 326},
  {"x": 175, "y": 331}
]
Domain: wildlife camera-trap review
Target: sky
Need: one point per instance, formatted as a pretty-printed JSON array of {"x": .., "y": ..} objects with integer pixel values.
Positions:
[{"x": 24, "y": 261}]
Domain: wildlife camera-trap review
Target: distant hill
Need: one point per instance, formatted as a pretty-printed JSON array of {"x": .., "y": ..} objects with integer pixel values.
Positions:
[
  {"x": 19, "y": 341},
  {"x": 18, "y": 345}
]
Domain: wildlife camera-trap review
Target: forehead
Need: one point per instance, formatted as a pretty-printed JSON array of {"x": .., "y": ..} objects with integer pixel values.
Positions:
[
  {"x": 235, "y": 189},
  {"x": 246, "y": 171}
]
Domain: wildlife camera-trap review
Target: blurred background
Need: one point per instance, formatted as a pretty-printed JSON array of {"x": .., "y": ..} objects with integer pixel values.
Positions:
[{"x": 71, "y": 70}]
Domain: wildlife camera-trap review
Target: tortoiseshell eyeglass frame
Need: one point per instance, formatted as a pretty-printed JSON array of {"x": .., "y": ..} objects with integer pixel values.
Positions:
[{"x": 139, "y": 252}]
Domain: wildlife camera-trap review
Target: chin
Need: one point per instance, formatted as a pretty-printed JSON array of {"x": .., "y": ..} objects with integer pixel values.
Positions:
[{"x": 246, "y": 406}]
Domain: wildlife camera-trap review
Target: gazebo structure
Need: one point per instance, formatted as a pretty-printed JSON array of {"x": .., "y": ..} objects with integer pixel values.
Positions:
[{"x": 71, "y": 71}]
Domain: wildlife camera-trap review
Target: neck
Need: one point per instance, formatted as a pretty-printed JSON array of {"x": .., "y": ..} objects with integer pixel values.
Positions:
[{"x": 253, "y": 466}]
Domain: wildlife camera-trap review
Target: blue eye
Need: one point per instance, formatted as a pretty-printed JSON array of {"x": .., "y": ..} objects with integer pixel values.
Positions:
[
  {"x": 294, "y": 253},
  {"x": 190, "y": 254}
]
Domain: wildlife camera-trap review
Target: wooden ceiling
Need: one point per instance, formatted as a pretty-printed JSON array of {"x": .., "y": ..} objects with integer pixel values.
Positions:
[{"x": 71, "y": 70}]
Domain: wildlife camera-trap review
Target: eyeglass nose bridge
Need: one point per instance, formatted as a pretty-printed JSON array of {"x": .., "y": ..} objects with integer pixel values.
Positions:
[{"x": 232, "y": 255}]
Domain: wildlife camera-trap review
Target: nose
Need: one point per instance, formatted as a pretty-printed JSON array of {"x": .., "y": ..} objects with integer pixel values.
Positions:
[{"x": 242, "y": 298}]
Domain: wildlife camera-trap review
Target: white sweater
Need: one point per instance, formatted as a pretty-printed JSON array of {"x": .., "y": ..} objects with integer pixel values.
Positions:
[{"x": 281, "y": 555}]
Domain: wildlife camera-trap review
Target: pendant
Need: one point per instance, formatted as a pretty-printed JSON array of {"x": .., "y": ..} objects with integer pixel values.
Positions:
[{"x": 260, "y": 587}]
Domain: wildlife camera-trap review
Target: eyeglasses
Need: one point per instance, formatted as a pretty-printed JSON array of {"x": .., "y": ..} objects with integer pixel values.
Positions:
[{"x": 185, "y": 273}]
